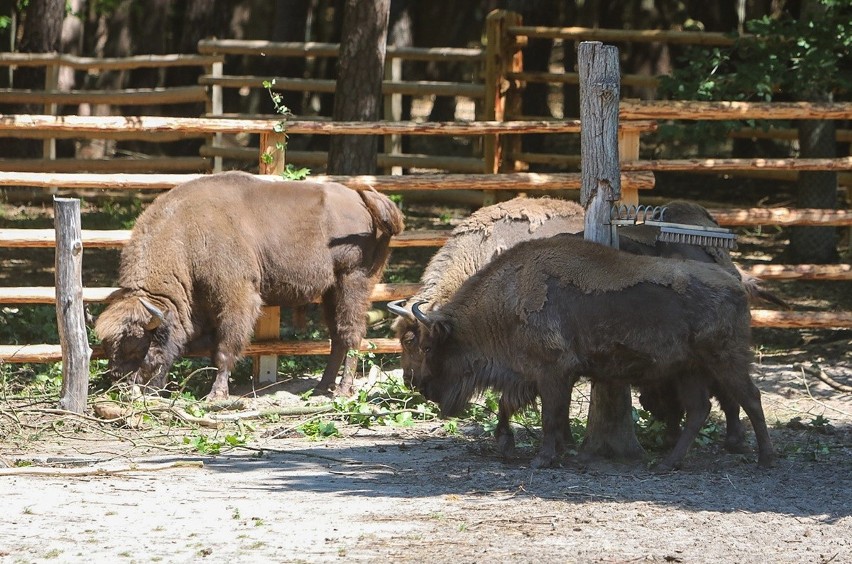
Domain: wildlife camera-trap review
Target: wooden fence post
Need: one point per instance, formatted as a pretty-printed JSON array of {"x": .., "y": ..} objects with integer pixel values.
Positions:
[
  {"x": 610, "y": 430},
  {"x": 70, "y": 316},
  {"x": 268, "y": 327},
  {"x": 216, "y": 108},
  {"x": 501, "y": 57},
  {"x": 51, "y": 84},
  {"x": 628, "y": 150},
  {"x": 393, "y": 112}
]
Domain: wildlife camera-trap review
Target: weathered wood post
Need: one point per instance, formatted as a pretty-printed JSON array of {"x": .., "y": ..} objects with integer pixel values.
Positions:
[
  {"x": 610, "y": 430},
  {"x": 268, "y": 326},
  {"x": 501, "y": 57},
  {"x": 70, "y": 316}
]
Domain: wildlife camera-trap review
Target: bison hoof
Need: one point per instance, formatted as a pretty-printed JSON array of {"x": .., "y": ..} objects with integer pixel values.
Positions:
[
  {"x": 737, "y": 446},
  {"x": 216, "y": 395},
  {"x": 506, "y": 445},
  {"x": 766, "y": 461},
  {"x": 544, "y": 461},
  {"x": 665, "y": 466}
]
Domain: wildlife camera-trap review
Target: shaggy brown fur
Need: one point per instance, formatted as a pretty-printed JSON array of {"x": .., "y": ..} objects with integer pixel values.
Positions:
[
  {"x": 501, "y": 330},
  {"x": 660, "y": 397},
  {"x": 211, "y": 252},
  {"x": 488, "y": 232}
]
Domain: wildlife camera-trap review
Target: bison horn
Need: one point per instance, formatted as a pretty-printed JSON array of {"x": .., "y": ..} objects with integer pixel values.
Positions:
[
  {"x": 157, "y": 313},
  {"x": 398, "y": 307},
  {"x": 415, "y": 310}
]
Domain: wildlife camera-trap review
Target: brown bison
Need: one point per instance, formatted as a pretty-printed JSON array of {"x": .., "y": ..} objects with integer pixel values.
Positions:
[
  {"x": 660, "y": 397},
  {"x": 548, "y": 311},
  {"x": 204, "y": 257},
  {"x": 488, "y": 232}
]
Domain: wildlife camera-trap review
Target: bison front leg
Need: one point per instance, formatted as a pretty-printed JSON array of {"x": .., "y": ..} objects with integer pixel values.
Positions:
[
  {"x": 555, "y": 404},
  {"x": 236, "y": 323},
  {"x": 503, "y": 432}
]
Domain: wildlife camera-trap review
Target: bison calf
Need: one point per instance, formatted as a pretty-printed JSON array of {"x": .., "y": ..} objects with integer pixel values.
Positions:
[
  {"x": 548, "y": 311},
  {"x": 204, "y": 257}
]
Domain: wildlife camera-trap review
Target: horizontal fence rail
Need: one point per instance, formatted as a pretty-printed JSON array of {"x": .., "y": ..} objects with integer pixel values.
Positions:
[{"x": 759, "y": 318}]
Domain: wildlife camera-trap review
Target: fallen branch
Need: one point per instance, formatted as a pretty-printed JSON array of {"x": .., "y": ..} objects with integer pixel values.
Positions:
[
  {"x": 810, "y": 395},
  {"x": 285, "y": 411},
  {"x": 818, "y": 372},
  {"x": 42, "y": 471}
]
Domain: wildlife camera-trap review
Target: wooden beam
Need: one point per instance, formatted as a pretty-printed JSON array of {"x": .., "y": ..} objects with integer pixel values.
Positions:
[{"x": 521, "y": 181}]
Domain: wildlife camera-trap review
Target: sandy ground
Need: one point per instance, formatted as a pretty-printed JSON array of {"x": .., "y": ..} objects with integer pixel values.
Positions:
[{"x": 416, "y": 494}]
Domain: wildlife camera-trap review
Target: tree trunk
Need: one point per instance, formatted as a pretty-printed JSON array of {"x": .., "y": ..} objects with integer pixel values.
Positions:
[
  {"x": 815, "y": 189},
  {"x": 358, "y": 96},
  {"x": 42, "y": 33}
]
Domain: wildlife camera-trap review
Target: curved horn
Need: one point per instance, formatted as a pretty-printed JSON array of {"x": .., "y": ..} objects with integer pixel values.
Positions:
[
  {"x": 416, "y": 312},
  {"x": 158, "y": 315},
  {"x": 397, "y": 307}
]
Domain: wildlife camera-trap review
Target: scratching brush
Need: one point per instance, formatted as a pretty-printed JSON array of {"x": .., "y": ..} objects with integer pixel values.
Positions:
[
  {"x": 695, "y": 235},
  {"x": 671, "y": 232}
]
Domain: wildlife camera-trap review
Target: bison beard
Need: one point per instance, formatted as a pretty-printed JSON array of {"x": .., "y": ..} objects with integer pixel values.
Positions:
[
  {"x": 206, "y": 256},
  {"x": 548, "y": 311}
]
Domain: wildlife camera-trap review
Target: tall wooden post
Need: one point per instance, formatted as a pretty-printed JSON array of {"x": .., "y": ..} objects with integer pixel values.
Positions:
[
  {"x": 268, "y": 326},
  {"x": 70, "y": 316},
  {"x": 610, "y": 430},
  {"x": 501, "y": 57},
  {"x": 216, "y": 108}
]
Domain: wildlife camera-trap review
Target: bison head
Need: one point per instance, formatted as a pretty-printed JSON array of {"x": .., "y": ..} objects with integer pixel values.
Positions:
[
  {"x": 446, "y": 373},
  {"x": 135, "y": 335},
  {"x": 407, "y": 330}
]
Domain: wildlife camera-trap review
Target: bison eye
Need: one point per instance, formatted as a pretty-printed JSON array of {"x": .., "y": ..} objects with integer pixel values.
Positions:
[{"x": 427, "y": 349}]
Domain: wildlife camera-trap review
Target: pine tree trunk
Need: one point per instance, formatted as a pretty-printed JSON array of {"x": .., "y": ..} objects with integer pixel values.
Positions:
[
  {"x": 358, "y": 96},
  {"x": 42, "y": 33}
]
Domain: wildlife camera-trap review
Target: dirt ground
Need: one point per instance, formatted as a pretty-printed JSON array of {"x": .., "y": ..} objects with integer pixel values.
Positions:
[{"x": 419, "y": 494}]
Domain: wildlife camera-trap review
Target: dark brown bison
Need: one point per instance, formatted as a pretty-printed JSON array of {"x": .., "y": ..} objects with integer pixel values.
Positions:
[
  {"x": 548, "y": 311},
  {"x": 659, "y": 397},
  {"x": 488, "y": 232},
  {"x": 204, "y": 257}
]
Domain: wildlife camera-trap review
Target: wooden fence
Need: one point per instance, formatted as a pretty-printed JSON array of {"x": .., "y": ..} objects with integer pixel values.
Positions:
[
  {"x": 111, "y": 101},
  {"x": 501, "y": 154},
  {"x": 528, "y": 182}
]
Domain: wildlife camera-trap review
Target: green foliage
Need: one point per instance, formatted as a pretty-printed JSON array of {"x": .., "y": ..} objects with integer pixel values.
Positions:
[
  {"x": 293, "y": 173},
  {"x": 652, "y": 432},
  {"x": 800, "y": 58},
  {"x": 319, "y": 429},
  {"x": 114, "y": 214},
  {"x": 290, "y": 171},
  {"x": 28, "y": 324},
  {"x": 388, "y": 402},
  {"x": 31, "y": 380},
  {"x": 203, "y": 444}
]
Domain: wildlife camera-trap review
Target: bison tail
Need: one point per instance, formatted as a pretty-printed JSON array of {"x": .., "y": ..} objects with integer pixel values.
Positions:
[
  {"x": 385, "y": 213},
  {"x": 756, "y": 291}
]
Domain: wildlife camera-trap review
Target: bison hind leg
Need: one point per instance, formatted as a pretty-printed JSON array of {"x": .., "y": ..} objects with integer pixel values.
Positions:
[
  {"x": 695, "y": 400},
  {"x": 741, "y": 389},
  {"x": 735, "y": 440}
]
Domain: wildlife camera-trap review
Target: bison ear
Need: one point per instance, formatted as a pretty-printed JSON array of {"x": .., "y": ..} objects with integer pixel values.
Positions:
[{"x": 441, "y": 330}]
